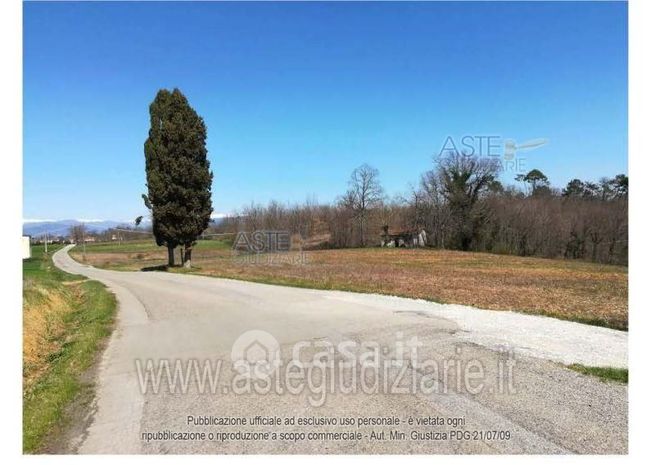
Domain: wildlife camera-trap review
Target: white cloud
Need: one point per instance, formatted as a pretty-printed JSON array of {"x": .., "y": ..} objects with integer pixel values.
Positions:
[{"x": 36, "y": 220}]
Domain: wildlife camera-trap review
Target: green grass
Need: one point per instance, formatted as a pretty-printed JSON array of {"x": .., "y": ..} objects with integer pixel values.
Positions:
[
  {"x": 41, "y": 268},
  {"x": 605, "y": 373},
  {"x": 143, "y": 246},
  {"x": 86, "y": 325},
  {"x": 108, "y": 247}
]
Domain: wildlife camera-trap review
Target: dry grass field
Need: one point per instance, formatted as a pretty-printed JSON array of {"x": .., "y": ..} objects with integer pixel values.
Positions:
[
  {"x": 44, "y": 327},
  {"x": 573, "y": 290}
]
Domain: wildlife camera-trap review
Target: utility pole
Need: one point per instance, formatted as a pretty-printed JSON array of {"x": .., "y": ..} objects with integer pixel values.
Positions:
[
  {"x": 46, "y": 242},
  {"x": 84, "y": 241}
]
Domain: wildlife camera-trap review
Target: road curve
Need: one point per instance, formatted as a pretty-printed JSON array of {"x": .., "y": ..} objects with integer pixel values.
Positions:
[{"x": 183, "y": 318}]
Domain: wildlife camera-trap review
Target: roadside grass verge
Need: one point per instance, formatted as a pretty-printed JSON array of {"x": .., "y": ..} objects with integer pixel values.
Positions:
[
  {"x": 605, "y": 373},
  {"x": 65, "y": 320},
  {"x": 584, "y": 292}
]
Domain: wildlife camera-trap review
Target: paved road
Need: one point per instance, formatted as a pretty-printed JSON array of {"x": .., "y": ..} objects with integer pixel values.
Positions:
[{"x": 170, "y": 317}]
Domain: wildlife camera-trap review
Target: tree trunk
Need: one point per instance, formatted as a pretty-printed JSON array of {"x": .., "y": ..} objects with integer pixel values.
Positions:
[
  {"x": 187, "y": 257},
  {"x": 171, "y": 256}
]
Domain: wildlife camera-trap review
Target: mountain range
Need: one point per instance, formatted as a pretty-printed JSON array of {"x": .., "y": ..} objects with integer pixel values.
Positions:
[{"x": 38, "y": 228}]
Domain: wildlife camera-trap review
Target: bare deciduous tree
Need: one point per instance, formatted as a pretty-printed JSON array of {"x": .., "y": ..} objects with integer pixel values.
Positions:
[
  {"x": 78, "y": 233},
  {"x": 585, "y": 221},
  {"x": 364, "y": 194},
  {"x": 463, "y": 180}
]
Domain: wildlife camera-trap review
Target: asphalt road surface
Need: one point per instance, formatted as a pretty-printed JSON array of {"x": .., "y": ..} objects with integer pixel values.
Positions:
[{"x": 462, "y": 380}]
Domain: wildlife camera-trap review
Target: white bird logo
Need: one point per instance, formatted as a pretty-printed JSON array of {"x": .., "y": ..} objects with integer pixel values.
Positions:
[{"x": 511, "y": 147}]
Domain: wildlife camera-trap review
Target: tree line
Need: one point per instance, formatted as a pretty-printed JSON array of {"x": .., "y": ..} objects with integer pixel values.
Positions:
[{"x": 462, "y": 205}]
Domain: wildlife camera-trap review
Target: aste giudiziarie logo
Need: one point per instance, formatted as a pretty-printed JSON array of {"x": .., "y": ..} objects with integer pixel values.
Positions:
[
  {"x": 267, "y": 247},
  {"x": 507, "y": 152}
]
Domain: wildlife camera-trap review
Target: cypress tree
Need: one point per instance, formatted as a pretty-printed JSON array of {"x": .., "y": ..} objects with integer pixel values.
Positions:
[{"x": 177, "y": 173}]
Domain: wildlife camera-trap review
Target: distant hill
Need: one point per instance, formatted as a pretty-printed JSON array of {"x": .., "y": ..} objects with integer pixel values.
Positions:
[{"x": 62, "y": 227}]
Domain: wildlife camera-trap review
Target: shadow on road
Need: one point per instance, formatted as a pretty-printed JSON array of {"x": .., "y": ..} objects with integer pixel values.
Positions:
[{"x": 155, "y": 268}]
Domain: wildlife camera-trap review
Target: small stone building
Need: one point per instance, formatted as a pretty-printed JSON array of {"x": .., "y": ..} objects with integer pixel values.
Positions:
[{"x": 403, "y": 237}]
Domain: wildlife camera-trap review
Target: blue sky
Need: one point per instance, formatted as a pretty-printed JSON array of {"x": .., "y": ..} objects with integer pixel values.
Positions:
[{"x": 296, "y": 95}]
